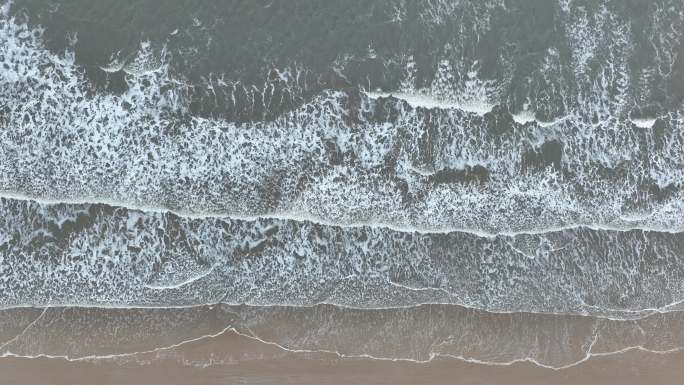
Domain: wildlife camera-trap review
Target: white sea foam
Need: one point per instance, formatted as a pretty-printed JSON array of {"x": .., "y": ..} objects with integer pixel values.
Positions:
[
  {"x": 643, "y": 123},
  {"x": 120, "y": 257},
  {"x": 427, "y": 101},
  {"x": 121, "y": 149}
]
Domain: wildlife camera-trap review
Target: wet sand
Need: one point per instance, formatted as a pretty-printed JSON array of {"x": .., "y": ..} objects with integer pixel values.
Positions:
[
  {"x": 437, "y": 344},
  {"x": 246, "y": 361}
]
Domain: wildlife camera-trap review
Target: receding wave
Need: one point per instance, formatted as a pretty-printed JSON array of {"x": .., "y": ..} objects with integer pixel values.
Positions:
[{"x": 71, "y": 254}]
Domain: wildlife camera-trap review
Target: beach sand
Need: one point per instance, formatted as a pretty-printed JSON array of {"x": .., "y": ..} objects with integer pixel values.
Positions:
[
  {"x": 281, "y": 345},
  {"x": 246, "y": 361}
]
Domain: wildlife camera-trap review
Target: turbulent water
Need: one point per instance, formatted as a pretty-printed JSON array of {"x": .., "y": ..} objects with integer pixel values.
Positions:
[
  {"x": 495, "y": 181},
  {"x": 68, "y": 254}
]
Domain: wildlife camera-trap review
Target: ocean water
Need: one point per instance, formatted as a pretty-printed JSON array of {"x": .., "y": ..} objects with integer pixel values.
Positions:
[{"x": 241, "y": 189}]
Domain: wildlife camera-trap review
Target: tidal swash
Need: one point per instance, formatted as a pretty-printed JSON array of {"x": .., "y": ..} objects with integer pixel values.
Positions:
[{"x": 342, "y": 192}]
